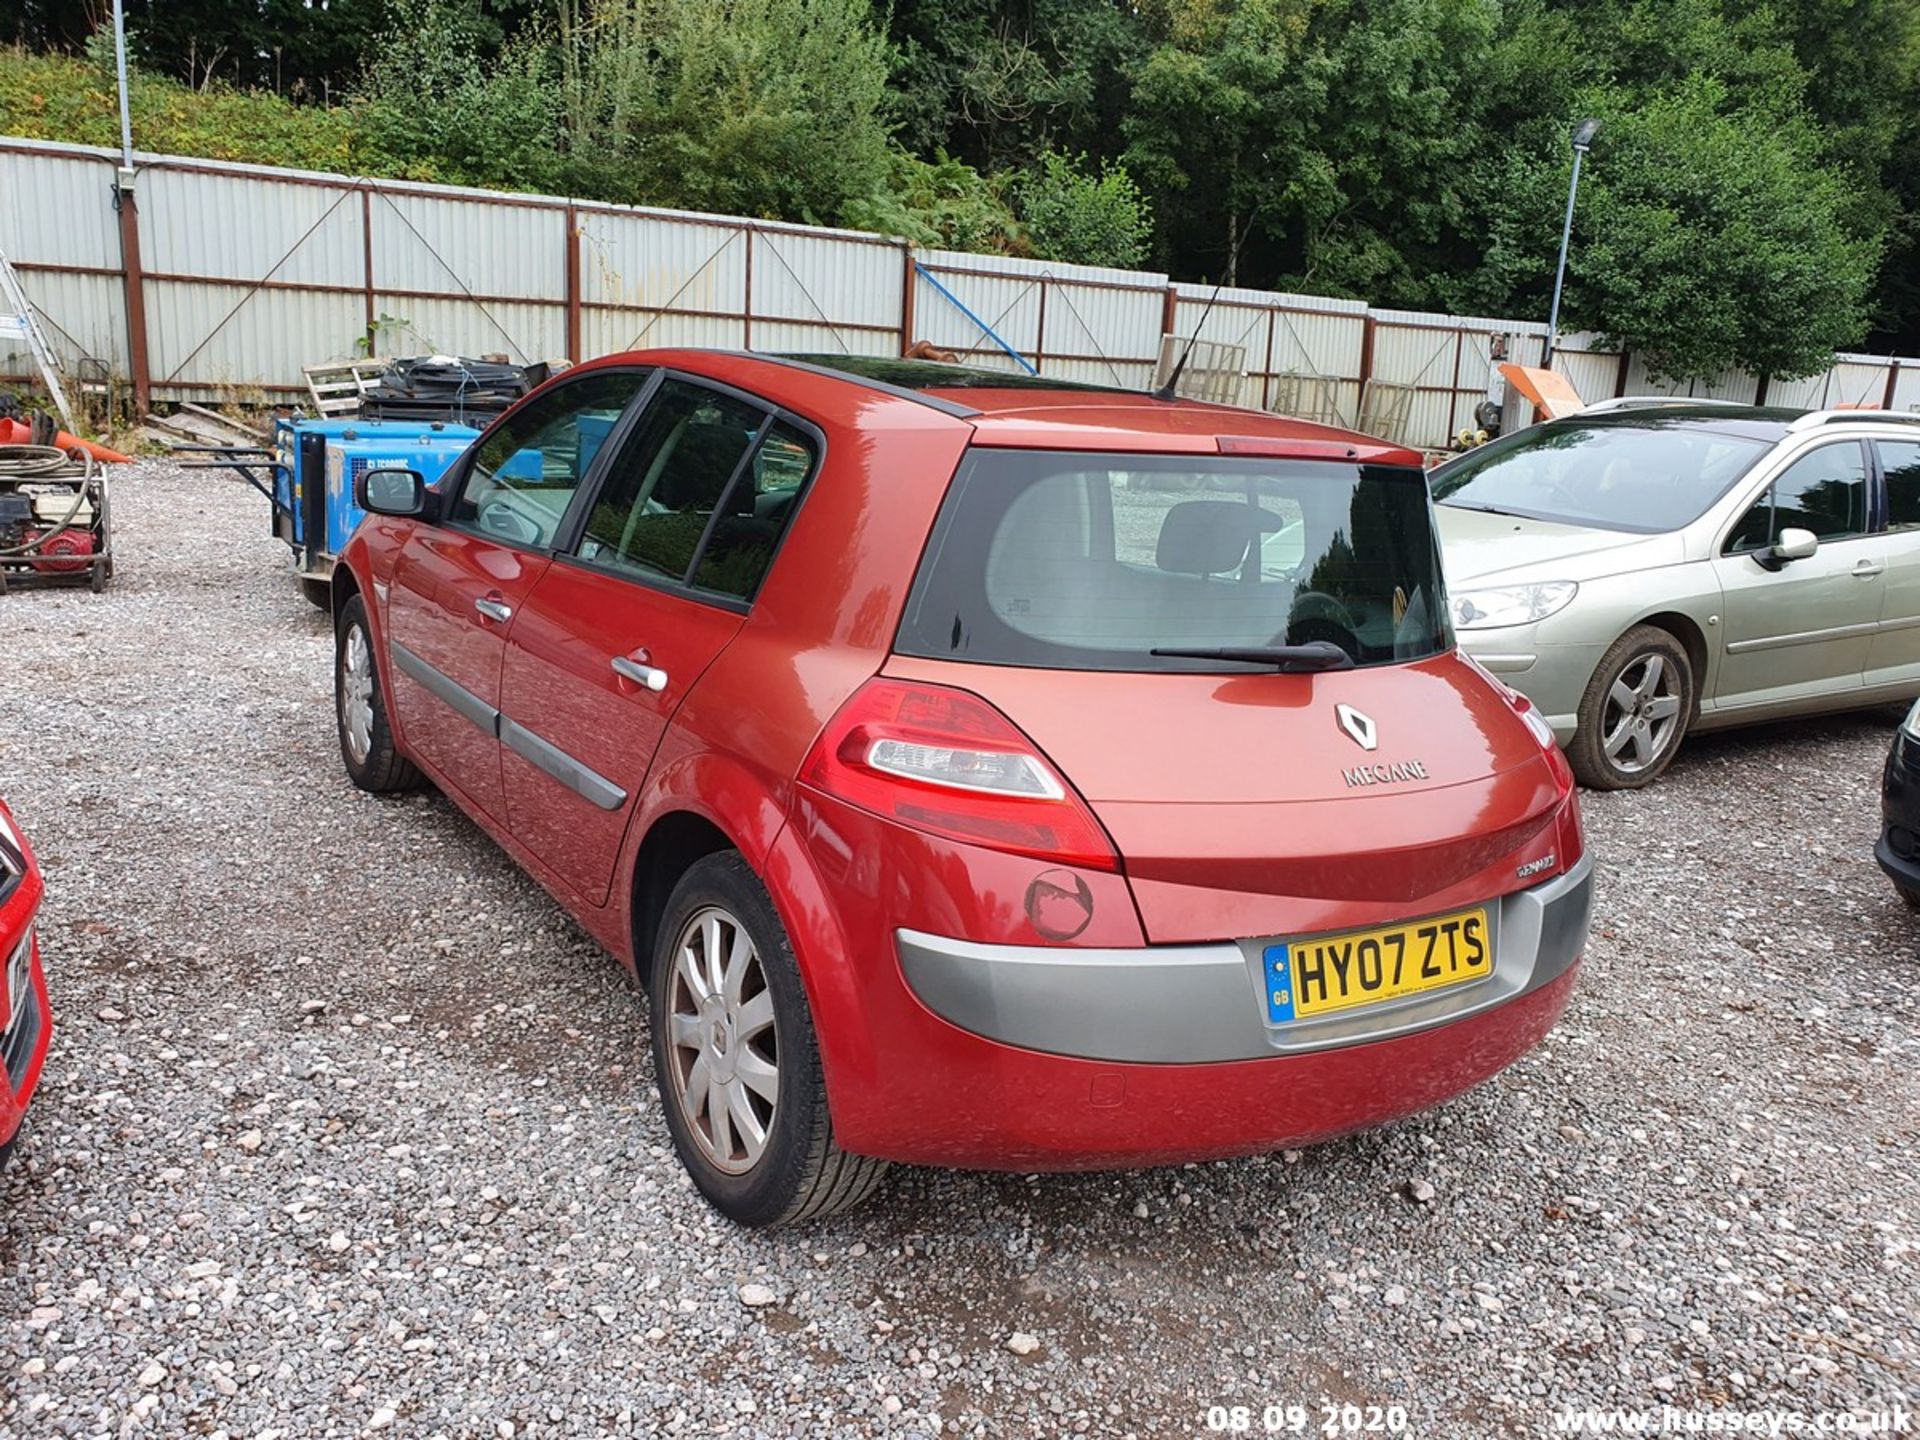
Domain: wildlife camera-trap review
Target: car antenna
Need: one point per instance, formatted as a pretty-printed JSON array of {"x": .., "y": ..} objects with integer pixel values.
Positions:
[{"x": 1169, "y": 391}]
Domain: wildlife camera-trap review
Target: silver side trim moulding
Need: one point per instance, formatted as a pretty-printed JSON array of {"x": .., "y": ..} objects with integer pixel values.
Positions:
[
  {"x": 1192, "y": 1004},
  {"x": 583, "y": 780},
  {"x": 462, "y": 701},
  {"x": 1803, "y": 637},
  {"x": 545, "y": 756}
]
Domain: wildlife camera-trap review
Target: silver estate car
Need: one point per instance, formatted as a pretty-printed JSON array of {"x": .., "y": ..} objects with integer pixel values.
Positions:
[{"x": 1650, "y": 567}]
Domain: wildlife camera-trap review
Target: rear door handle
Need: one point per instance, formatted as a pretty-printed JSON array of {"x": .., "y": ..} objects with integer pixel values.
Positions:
[
  {"x": 645, "y": 676},
  {"x": 494, "y": 609},
  {"x": 1867, "y": 569}
]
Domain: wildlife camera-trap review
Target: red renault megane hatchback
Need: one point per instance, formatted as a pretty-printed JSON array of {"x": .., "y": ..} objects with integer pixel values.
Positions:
[{"x": 977, "y": 770}]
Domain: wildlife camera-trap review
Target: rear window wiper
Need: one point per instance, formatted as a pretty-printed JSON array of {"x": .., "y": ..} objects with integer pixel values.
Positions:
[{"x": 1314, "y": 655}]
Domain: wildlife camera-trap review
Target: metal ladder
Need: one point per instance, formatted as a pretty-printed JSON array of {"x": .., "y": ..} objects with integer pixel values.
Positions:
[{"x": 17, "y": 323}]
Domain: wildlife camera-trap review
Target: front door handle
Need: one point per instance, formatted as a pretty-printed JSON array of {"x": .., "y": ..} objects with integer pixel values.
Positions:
[
  {"x": 492, "y": 608},
  {"x": 1867, "y": 569},
  {"x": 645, "y": 676}
]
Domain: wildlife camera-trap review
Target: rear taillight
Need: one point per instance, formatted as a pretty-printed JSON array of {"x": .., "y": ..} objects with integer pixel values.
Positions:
[
  {"x": 946, "y": 762},
  {"x": 1573, "y": 835},
  {"x": 1571, "y": 842}
]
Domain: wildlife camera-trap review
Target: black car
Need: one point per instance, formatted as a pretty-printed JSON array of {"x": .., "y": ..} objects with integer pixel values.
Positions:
[{"x": 1898, "y": 850}]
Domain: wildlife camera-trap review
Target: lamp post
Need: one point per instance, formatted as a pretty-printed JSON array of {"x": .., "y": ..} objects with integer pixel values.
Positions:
[
  {"x": 120, "y": 65},
  {"x": 1583, "y": 134}
]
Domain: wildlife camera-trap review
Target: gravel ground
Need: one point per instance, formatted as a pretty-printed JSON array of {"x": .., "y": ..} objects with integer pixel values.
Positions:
[{"x": 347, "y": 1127}]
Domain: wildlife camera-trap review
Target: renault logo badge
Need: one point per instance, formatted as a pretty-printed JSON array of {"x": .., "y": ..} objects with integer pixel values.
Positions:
[{"x": 1359, "y": 727}]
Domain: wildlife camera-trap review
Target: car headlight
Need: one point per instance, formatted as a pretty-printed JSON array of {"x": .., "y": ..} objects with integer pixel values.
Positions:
[
  {"x": 1511, "y": 604},
  {"x": 12, "y": 836},
  {"x": 1911, "y": 725}
]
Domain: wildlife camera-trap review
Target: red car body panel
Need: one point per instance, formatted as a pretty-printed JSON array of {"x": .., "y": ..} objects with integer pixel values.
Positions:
[
  {"x": 20, "y": 898},
  {"x": 1232, "y": 830},
  {"x": 1241, "y": 828},
  {"x": 558, "y": 672},
  {"x": 907, "y": 1084},
  {"x": 437, "y": 579}
]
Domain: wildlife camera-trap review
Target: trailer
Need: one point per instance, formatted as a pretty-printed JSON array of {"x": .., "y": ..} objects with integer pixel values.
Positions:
[
  {"x": 308, "y": 474},
  {"x": 319, "y": 461}
]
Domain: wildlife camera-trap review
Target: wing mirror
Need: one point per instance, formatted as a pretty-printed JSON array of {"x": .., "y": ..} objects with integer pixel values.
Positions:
[
  {"x": 1794, "y": 544},
  {"x": 401, "y": 493}
]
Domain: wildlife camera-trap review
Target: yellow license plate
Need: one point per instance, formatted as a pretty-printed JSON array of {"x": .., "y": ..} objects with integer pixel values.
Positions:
[{"x": 1305, "y": 978}]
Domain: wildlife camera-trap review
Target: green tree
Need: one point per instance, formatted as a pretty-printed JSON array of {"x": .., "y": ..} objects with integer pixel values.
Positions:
[
  {"x": 758, "y": 107},
  {"x": 1862, "y": 59},
  {"x": 1707, "y": 237},
  {"x": 435, "y": 107},
  {"x": 1340, "y": 136},
  {"x": 998, "y": 82},
  {"x": 1076, "y": 215}
]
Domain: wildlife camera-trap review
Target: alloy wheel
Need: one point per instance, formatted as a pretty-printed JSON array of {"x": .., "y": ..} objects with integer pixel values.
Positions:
[
  {"x": 1641, "y": 717},
  {"x": 723, "y": 1043},
  {"x": 356, "y": 695}
]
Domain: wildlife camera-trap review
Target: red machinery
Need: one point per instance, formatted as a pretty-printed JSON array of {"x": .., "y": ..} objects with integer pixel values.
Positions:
[{"x": 54, "y": 516}]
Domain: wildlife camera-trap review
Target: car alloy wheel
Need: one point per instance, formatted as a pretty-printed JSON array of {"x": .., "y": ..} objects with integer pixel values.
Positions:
[
  {"x": 356, "y": 694},
  {"x": 366, "y": 741},
  {"x": 724, "y": 1042},
  {"x": 1634, "y": 715},
  {"x": 1641, "y": 717}
]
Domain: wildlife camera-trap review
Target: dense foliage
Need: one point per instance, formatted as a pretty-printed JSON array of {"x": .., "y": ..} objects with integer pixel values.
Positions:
[{"x": 1752, "y": 198}]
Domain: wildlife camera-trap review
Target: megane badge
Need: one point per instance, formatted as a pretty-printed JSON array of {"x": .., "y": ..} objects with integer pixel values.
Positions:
[
  {"x": 1359, "y": 727},
  {"x": 1361, "y": 730}
]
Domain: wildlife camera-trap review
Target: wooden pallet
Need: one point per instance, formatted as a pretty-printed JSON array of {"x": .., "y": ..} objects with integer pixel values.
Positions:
[{"x": 336, "y": 387}]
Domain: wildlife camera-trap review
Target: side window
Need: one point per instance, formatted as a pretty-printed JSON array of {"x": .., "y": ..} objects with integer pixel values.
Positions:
[
  {"x": 1901, "y": 461},
  {"x": 746, "y": 533},
  {"x": 1824, "y": 491},
  {"x": 669, "y": 480},
  {"x": 524, "y": 475}
]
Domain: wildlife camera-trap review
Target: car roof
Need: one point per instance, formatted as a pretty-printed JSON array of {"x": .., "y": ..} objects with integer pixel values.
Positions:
[
  {"x": 1010, "y": 409},
  {"x": 1042, "y": 411},
  {"x": 1757, "y": 422}
]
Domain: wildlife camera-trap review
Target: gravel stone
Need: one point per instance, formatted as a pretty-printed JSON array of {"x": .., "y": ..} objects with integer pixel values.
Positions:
[{"x": 1700, "y": 1190}]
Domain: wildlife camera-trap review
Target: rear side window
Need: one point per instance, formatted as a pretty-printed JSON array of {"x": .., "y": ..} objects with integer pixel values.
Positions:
[
  {"x": 1901, "y": 461},
  {"x": 700, "y": 494},
  {"x": 1091, "y": 562}
]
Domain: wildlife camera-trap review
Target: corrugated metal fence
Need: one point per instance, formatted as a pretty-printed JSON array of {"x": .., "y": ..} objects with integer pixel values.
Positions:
[{"x": 241, "y": 275}]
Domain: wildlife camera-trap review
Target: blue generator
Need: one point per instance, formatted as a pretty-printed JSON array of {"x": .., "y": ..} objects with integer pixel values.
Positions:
[{"x": 316, "y": 463}]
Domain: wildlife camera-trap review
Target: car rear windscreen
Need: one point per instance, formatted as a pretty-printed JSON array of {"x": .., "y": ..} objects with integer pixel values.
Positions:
[{"x": 1093, "y": 561}]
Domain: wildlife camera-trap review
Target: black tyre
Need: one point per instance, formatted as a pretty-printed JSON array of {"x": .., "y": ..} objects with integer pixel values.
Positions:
[
  {"x": 360, "y": 708},
  {"x": 1908, "y": 894},
  {"x": 736, "y": 1056},
  {"x": 1636, "y": 711}
]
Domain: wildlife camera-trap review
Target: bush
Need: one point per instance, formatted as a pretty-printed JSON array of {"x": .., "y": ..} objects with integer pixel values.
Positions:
[
  {"x": 944, "y": 204},
  {"x": 49, "y": 97},
  {"x": 1074, "y": 215}
]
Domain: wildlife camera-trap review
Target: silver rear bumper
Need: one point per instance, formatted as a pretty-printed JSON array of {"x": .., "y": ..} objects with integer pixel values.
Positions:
[{"x": 1192, "y": 1004}]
